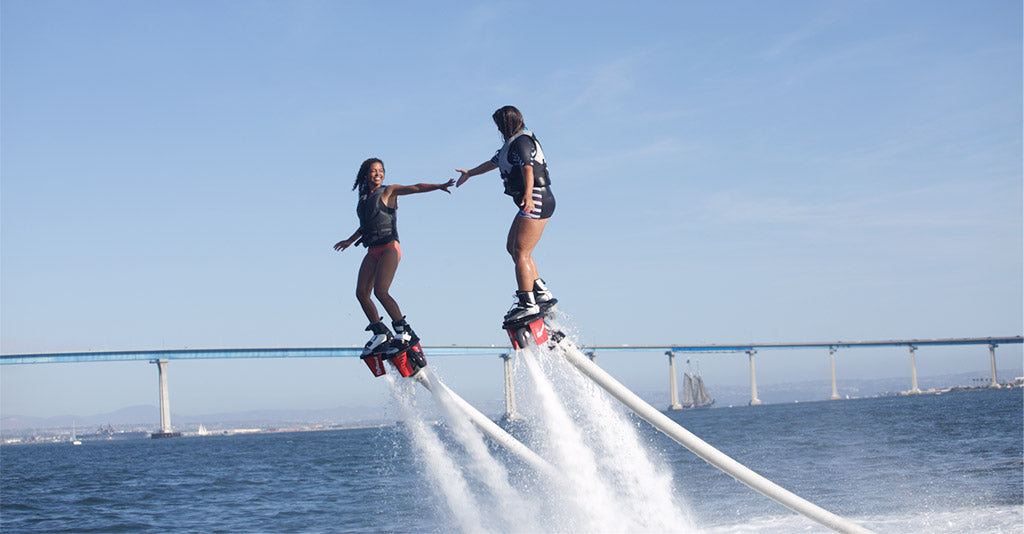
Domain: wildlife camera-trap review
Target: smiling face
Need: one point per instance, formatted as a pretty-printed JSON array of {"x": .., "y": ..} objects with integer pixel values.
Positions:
[
  {"x": 376, "y": 175},
  {"x": 370, "y": 176}
]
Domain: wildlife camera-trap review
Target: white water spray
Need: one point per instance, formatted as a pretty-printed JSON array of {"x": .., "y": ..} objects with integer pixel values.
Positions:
[
  {"x": 505, "y": 504},
  {"x": 437, "y": 461},
  {"x": 610, "y": 480},
  {"x": 590, "y": 505},
  {"x": 597, "y": 474},
  {"x": 645, "y": 486}
]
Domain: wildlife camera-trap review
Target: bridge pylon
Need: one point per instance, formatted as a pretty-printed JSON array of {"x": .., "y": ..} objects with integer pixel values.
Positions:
[{"x": 165, "y": 404}]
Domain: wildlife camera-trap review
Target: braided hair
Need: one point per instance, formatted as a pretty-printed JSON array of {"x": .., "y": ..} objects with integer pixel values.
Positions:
[{"x": 363, "y": 177}]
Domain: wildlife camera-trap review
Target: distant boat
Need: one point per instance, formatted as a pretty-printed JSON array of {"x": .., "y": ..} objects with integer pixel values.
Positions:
[
  {"x": 695, "y": 395},
  {"x": 202, "y": 430},
  {"x": 74, "y": 437}
]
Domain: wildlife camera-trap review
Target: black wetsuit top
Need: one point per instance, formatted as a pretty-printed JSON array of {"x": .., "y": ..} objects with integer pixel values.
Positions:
[
  {"x": 523, "y": 149},
  {"x": 377, "y": 223}
]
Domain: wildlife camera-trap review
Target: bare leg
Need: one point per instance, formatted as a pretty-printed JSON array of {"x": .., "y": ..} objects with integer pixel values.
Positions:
[
  {"x": 364, "y": 287},
  {"x": 522, "y": 238},
  {"x": 386, "y": 269}
]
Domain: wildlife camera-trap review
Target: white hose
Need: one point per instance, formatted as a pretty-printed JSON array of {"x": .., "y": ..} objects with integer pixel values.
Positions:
[
  {"x": 705, "y": 451},
  {"x": 489, "y": 427}
]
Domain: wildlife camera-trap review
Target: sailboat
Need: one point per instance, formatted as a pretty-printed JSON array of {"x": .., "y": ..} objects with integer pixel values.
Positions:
[
  {"x": 74, "y": 437},
  {"x": 695, "y": 395}
]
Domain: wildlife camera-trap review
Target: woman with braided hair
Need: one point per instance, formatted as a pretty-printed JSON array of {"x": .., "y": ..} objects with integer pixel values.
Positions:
[{"x": 378, "y": 232}]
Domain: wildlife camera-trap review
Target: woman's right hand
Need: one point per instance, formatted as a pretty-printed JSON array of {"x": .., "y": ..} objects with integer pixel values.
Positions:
[{"x": 342, "y": 245}]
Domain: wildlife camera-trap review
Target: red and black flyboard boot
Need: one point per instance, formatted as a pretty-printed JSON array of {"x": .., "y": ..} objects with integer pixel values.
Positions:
[
  {"x": 525, "y": 322},
  {"x": 373, "y": 351},
  {"x": 404, "y": 350}
]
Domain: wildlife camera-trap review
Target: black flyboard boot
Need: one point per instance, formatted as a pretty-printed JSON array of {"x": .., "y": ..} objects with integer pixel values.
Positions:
[
  {"x": 523, "y": 310},
  {"x": 373, "y": 351},
  {"x": 404, "y": 338},
  {"x": 525, "y": 322},
  {"x": 541, "y": 293},
  {"x": 381, "y": 337},
  {"x": 404, "y": 350}
]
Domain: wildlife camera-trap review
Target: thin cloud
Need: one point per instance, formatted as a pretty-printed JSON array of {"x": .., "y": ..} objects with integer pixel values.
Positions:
[
  {"x": 934, "y": 207},
  {"x": 794, "y": 39}
]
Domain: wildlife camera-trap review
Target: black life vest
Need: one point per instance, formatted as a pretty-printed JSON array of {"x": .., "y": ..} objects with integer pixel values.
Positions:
[
  {"x": 377, "y": 223},
  {"x": 512, "y": 175}
]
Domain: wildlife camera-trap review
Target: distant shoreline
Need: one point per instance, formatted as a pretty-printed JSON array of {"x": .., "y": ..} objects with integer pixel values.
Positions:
[{"x": 62, "y": 435}]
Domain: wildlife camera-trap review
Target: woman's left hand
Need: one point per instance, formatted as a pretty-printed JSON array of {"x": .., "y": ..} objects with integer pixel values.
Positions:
[{"x": 342, "y": 245}]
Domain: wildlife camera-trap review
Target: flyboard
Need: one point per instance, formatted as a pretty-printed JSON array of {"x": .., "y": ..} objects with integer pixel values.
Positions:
[
  {"x": 536, "y": 330},
  {"x": 411, "y": 363},
  {"x": 407, "y": 360}
]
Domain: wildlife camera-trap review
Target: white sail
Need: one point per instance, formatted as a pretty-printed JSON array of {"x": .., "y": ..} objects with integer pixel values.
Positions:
[
  {"x": 688, "y": 394},
  {"x": 702, "y": 397},
  {"x": 695, "y": 394}
]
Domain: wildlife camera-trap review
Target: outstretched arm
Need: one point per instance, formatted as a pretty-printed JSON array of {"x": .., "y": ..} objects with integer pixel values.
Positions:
[
  {"x": 479, "y": 169},
  {"x": 355, "y": 238},
  {"x": 399, "y": 190},
  {"x": 391, "y": 194}
]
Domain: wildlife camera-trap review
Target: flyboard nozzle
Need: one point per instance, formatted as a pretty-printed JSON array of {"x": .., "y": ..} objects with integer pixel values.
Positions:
[
  {"x": 410, "y": 361},
  {"x": 526, "y": 331},
  {"x": 375, "y": 361},
  {"x": 407, "y": 362}
]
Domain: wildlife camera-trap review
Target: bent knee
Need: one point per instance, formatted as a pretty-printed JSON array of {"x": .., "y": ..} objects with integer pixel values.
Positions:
[{"x": 522, "y": 256}]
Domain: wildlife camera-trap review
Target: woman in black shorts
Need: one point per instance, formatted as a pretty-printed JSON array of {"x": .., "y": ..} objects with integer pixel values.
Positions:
[{"x": 525, "y": 175}]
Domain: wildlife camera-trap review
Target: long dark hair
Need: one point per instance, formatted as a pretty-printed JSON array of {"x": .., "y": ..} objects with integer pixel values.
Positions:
[
  {"x": 509, "y": 120},
  {"x": 363, "y": 177}
]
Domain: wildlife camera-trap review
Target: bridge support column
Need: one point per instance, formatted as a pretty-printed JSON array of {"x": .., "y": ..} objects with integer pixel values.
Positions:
[
  {"x": 510, "y": 391},
  {"x": 673, "y": 390},
  {"x": 914, "y": 390},
  {"x": 165, "y": 404},
  {"x": 992, "y": 360},
  {"x": 754, "y": 401},
  {"x": 832, "y": 362}
]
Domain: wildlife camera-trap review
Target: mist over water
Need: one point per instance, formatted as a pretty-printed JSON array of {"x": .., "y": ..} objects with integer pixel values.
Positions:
[{"x": 440, "y": 465}]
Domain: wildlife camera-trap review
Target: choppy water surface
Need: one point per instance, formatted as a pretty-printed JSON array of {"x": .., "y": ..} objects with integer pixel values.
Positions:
[{"x": 930, "y": 463}]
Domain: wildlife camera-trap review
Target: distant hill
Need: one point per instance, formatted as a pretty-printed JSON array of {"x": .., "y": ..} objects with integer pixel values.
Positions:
[
  {"x": 128, "y": 416},
  {"x": 147, "y": 418}
]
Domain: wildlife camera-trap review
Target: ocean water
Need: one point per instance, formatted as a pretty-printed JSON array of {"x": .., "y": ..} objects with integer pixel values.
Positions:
[{"x": 929, "y": 463}]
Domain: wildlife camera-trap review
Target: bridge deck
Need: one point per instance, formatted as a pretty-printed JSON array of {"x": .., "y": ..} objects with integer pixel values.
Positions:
[{"x": 457, "y": 350}]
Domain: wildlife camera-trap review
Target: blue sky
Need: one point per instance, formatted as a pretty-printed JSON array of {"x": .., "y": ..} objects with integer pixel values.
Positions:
[{"x": 175, "y": 173}]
